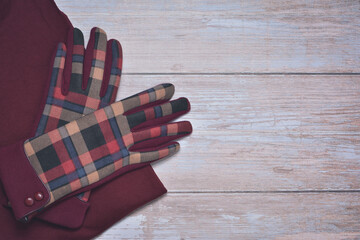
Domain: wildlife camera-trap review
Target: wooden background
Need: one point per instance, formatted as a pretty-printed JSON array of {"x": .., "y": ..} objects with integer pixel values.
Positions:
[{"x": 275, "y": 93}]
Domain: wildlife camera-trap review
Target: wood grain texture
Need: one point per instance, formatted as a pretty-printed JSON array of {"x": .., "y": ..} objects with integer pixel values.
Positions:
[
  {"x": 264, "y": 133},
  {"x": 244, "y": 216},
  {"x": 227, "y": 36}
]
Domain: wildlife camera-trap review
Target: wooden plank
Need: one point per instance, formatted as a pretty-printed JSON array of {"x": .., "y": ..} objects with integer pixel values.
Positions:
[
  {"x": 262, "y": 133},
  {"x": 227, "y": 36},
  {"x": 244, "y": 216}
]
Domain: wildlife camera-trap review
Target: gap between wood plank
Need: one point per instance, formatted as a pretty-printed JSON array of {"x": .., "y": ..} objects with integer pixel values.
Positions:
[
  {"x": 257, "y": 192},
  {"x": 251, "y": 73}
]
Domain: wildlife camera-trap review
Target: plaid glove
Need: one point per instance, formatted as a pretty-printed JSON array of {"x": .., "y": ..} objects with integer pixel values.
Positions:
[
  {"x": 92, "y": 150},
  {"x": 81, "y": 82}
]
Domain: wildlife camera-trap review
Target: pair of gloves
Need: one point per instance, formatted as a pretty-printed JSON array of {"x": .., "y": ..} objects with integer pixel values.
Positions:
[{"x": 85, "y": 139}]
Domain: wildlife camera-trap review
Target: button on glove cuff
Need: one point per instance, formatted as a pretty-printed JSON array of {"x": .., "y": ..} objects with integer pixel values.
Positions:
[{"x": 20, "y": 182}]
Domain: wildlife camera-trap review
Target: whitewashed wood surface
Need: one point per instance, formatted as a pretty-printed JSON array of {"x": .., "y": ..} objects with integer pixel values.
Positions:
[{"x": 275, "y": 94}]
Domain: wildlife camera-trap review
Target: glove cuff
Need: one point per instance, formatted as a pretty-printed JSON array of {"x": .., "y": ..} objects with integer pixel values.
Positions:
[{"x": 24, "y": 190}]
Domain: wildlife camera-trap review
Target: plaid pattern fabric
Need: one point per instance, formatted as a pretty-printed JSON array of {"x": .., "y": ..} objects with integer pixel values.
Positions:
[
  {"x": 87, "y": 150},
  {"x": 61, "y": 109}
]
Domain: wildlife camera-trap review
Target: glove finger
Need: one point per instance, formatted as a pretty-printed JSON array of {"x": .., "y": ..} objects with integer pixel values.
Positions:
[
  {"x": 158, "y": 93},
  {"x": 112, "y": 72},
  {"x": 158, "y": 114},
  {"x": 151, "y": 138},
  {"x": 150, "y": 156},
  {"x": 77, "y": 60},
  {"x": 55, "y": 90},
  {"x": 57, "y": 74},
  {"x": 94, "y": 64}
]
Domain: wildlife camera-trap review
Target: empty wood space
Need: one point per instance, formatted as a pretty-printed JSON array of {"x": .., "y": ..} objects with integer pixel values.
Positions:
[{"x": 275, "y": 94}]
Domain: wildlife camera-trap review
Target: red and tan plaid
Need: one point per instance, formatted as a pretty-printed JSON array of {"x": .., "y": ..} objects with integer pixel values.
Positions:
[
  {"x": 61, "y": 109},
  {"x": 93, "y": 147}
]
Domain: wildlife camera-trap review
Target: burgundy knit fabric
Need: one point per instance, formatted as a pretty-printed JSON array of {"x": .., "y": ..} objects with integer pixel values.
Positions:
[{"x": 31, "y": 30}]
